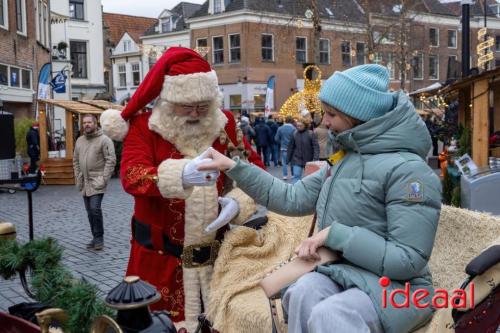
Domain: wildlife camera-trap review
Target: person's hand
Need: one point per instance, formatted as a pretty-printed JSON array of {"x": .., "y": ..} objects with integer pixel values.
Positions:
[
  {"x": 308, "y": 249},
  {"x": 219, "y": 161},
  {"x": 191, "y": 176},
  {"x": 230, "y": 209}
]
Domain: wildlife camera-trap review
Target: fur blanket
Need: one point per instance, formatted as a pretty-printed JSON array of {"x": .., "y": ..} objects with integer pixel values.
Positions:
[{"x": 237, "y": 304}]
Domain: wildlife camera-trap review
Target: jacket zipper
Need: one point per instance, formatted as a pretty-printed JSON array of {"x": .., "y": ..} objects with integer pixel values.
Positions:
[{"x": 330, "y": 190}]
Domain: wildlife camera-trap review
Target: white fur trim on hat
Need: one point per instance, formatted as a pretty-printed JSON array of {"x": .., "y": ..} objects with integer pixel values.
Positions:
[
  {"x": 190, "y": 88},
  {"x": 170, "y": 179},
  {"x": 113, "y": 125}
]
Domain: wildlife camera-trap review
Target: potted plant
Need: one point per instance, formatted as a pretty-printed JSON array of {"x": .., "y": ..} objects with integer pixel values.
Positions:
[{"x": 61, "y": 47}]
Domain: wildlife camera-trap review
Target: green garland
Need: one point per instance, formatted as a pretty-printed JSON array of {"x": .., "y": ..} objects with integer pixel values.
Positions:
[{"x": 51, "y": 283}]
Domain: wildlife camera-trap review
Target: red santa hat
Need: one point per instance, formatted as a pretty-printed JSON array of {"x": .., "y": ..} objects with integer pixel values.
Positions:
[{"x": 180, "y": 76}]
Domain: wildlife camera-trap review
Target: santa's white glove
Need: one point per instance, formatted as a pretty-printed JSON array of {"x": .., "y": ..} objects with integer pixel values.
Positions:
[
  {"x": 192, "y": 177},
  {"x": 230, "y": 208}
]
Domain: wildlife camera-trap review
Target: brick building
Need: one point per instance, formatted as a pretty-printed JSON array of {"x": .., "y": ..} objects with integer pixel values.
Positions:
[
  {"x": 247, "y": 41},
  {"x": 24, "y": 49}
]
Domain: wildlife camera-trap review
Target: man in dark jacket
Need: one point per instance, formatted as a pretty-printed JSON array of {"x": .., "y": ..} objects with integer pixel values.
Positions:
[
  {"x": 263, "y": 139},
  {"x": 302, "y": 148},
  {"x": 33, "y": 143},
  {"x": 274, "y": 146}
]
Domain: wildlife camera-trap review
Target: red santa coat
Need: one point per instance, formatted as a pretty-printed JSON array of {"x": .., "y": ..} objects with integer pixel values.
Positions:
[{"x": 143, "y": 152}]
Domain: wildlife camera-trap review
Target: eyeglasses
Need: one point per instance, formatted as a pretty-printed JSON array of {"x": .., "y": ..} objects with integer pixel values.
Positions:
[{"x": 187, "y": 109}]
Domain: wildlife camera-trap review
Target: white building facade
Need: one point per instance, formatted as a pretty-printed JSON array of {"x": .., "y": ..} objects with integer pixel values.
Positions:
[{"x": 82, "y": 32}]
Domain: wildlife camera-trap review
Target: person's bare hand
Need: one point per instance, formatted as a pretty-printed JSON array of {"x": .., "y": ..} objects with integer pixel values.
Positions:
[
  {"x": 219, "y": 161},
  {"x": 308, "y": 249}
]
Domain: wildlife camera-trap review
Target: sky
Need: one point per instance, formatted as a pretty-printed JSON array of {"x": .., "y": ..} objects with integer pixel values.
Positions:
[{"x": 147, "y": 8}]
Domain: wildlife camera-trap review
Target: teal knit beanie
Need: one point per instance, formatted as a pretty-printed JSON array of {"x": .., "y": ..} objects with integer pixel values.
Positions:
[{"x": 360, "y": 92}]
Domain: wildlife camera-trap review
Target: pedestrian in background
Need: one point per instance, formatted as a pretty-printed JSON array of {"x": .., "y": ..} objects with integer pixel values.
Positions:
[
  {"x": 274, "y": 146},
  {"x": 93, "y": 163},
  {"x": 325, "y": 146},
  {"x": 33, "y": 143},
  {"x": 302, "y": 148},
  {"x": 247, "y": 129},
  {"x": 263, "y": 139},
  {"x": 283, "y": 136}
]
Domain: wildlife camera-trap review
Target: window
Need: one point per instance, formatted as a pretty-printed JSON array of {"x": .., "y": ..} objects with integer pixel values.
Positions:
[
  {"x": 202, "y": 45},
  {"x": 345, "y": 48},
  {"x": 301, "y": 50},
  {"x": 452, "y": 39},
  {"x": 235, "y": 102},
  {"x": 324, "y": 51},
  {"x": 386, "y": 37},
  {"x": 76, "y": 9},
  {"x": 79, "y": 59},
  {"x": 417, "y": 64},
  {"x": 26, "y": 79},
  {"x": 122, "y": 75},
  {"x": 496, "y": 10},
  {"x": 127, "y": 46},
  {"x": 166, "y": 25},
  {"x": 267, "y": 47},
  {"x": 4, "y": 75},
  {"x": 14, "y": 77},
  {"x": 433, "y": 67},
  {"x": 391, "y": 66},
  {"x": 42, "y": 23},
  {"x": 360, "y": 53},
  {"x": 497, "y": 43},
  {"x": 259, "y": 102},
  {"x": 217, "y": 6},
  {"x": 378, "y": 58},
  {"x": 434, "y": 37},
  {"x": 136, "y": 75},
  {"x": 218, "y": 51},
  {"x": 21, "y": 16},
  {"x": 234, "y": 48},
  {"x": 4, "y": 14},
  {"x": 151, "y": 60}
]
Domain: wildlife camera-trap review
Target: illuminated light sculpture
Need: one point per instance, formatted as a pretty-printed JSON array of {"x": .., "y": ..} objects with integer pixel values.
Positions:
[{"x": 305, "y": 100}]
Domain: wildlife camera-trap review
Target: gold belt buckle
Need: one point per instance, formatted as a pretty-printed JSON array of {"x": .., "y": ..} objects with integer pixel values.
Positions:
[{"x": 187, "y": 254}]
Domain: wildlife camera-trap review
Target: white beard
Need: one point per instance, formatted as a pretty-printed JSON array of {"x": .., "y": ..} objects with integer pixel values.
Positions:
[{"x": 190, "y": 139}]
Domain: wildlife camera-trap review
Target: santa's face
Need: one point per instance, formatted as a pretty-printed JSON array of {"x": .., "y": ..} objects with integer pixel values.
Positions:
[{"x": 192, "y": 113}]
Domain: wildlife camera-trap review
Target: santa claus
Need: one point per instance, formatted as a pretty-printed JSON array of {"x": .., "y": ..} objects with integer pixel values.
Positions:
[{"x": 173, "y": 242}]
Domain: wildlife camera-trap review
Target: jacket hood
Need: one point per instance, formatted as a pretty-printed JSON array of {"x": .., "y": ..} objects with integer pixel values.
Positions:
[
  {"x": 95, "y": 134},
  {"x": 399, "y": 130}
]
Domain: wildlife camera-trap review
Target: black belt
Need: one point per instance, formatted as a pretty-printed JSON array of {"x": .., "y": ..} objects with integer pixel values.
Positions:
[{"x": 192, "y": 256}]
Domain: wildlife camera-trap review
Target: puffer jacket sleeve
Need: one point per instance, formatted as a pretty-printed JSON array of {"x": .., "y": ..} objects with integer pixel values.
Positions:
[
  {"x": 291, "y": 200},
  {"x": 412, "y": 206}
]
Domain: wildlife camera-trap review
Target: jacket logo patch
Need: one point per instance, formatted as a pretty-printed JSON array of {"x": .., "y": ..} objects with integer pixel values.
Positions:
[{"x": 415, "y": 191}]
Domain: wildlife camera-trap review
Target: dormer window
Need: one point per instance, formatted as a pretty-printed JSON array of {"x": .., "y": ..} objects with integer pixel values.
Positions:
[
  {"x": 217, "y": 6},
  {"x": 166, "y": 24}
]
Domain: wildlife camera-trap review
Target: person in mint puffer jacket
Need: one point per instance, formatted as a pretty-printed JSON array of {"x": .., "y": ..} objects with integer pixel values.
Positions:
[{"x": 378, "y": 206}]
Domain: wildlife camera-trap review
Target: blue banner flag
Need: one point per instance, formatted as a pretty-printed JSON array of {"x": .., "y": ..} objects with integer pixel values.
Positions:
[
  {"x": 58, "y": 83},
  {"x": 43, "y": 81}
]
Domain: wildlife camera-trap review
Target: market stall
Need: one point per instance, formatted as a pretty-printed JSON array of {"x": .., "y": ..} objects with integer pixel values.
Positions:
[{"x": 56, "y": 149}]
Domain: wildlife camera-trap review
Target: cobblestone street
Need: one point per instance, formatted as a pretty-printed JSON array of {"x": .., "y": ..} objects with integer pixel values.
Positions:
[{"x": 59, "y": 213}]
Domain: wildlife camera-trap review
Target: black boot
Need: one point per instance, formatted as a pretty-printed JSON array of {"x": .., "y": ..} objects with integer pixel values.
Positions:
[
  {"x": 90, "y": 245},
  {"x": 98, "y": 244}
]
